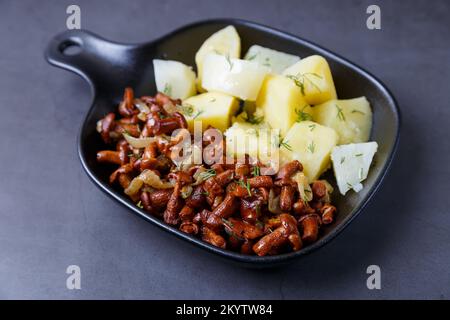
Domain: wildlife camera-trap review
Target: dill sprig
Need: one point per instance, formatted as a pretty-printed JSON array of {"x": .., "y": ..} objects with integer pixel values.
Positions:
[
  {"x": 187, "y": 109},
  {"x": 254, "y": 120},
  {"x": 285, "y": 144},
  {"x": 167, "y": 89},
  {"x": 205, "y": 175},
  {"x": 311, "y": 147},
  {"x": 246, "y": 185},
  {"x": 227, "y": 223},
  {"x": 134, "y": 155},
  {"x": 340, "y": 113},
  {"x": 300, "y": 80},
  {"x": 197, "y": 114},
  {"x": 302, "y": 116}
]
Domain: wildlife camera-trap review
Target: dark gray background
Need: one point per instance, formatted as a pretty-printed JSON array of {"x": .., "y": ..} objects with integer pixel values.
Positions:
[{"x": 52, "y": 216}]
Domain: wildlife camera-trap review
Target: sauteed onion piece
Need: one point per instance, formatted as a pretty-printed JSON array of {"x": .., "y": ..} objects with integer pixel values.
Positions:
[
  {"x": 138, "y": 142},
  {"x": 149, "y": 178}
]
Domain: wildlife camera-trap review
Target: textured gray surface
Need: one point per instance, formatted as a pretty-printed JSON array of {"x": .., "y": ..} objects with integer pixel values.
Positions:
[{"x": 52, "y": 216}]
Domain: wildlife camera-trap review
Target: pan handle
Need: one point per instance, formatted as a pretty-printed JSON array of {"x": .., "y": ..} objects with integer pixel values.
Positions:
[{"x": 92, "y": 57}]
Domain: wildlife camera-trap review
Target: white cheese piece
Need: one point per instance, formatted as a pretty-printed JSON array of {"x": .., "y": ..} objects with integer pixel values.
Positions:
[
  {"x": 174, "y": 78},
  {"x": 276, "y": 61},
  {"x": 351, "y": 163}
]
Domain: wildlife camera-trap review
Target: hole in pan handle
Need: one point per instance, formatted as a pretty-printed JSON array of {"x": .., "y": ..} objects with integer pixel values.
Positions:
[{"x": 95, "y": 59}]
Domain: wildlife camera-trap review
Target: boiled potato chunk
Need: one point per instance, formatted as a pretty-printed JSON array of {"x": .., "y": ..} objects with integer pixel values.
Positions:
[
  {"x": 174, "y": 78},
  {"x": 281, "y": 102},
  {"x": 225, "y": 42},
  {"x": 258, "y": 141},
  {"x": 311, "y": 144},
  {"x": 276, "y": 61},
  {"x": 352, "y": 118},
  {"x": 351, "y": 163},
  {"x": 211, "y": 108},
  {"x": 236, "y": 77},
  {"x": 313, "y": 76}
]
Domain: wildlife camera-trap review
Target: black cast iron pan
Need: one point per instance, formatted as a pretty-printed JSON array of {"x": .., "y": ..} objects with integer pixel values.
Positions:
[{"x": 109, "y": 67}]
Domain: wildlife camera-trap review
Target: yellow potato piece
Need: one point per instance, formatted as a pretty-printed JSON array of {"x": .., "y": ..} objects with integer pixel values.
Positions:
[
  {"x": 311, "y": 144},
  {"x": 352, "y": 118},
  {"x": 258, "y": 141},
  {"x": 314, "y": 79},
  {"x": 225, "y": 42},
  {"x": 276, "y": 61},
  {"x": 282, "y": 102},
  {"x": 174, "y": 78},
  {"x": 211, "y": 108},
  {"x": 236, "y": 77}
]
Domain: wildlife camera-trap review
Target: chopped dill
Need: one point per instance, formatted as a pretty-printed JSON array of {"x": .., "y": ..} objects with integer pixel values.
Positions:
[
  {"x": 227, "y": 223},
  {"x": 161, "y": 115},
  {"x": 246, "y": 185},
  {"x": 133, "y": 155},
  {"x": 303, "y": 116},
  {"x": 286, "y": 145},
  {"x": 187, "y": 109},
  {"x": 340, "y": 113},
  {"x": 167, "y": 89},
  {"x": 312, "y": 147},
  {"x": 197, "y": 114},
  {"x": 205, "y": 175},
  {"x": 301, "y": 79},
  {"x": 254, "y": 120}
]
